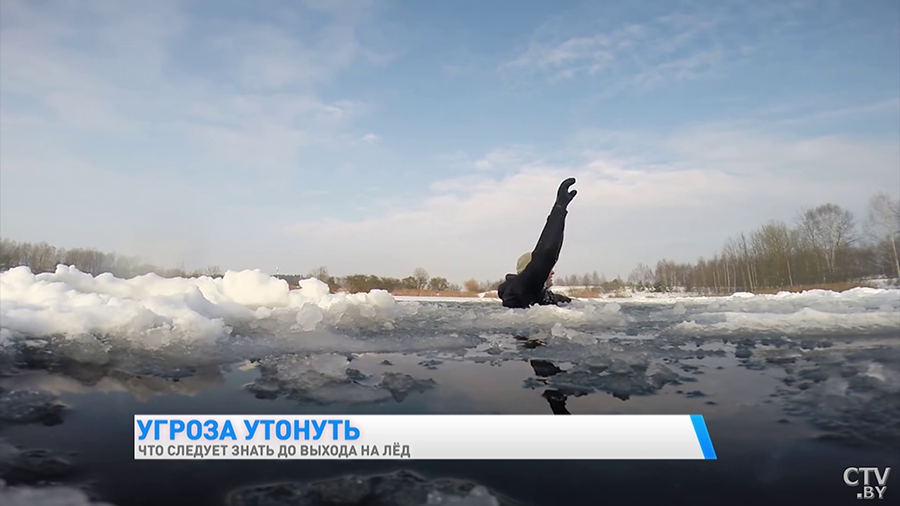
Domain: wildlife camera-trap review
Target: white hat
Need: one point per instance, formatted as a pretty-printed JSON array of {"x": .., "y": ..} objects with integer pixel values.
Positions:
[{"x": 523, "y": 262}]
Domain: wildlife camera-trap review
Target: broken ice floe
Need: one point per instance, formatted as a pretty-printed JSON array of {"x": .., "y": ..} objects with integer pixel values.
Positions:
[
  {"x": 30, "y": 466},
  {"x": 327, "y": 378},
  {"x": 402, "y": 488},
  {"x": 852, "y": 398},
  {"x": 27, "y": 406},
  {"x": 45, "y": 496},
  {"x": 618, "y": 376}
]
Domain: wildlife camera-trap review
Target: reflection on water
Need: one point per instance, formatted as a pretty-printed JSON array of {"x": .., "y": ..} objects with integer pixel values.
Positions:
[
  {"x": 556, "y": 399},
  {"x": 764, "y": 454},
  {"x": 141, "y": 387}
]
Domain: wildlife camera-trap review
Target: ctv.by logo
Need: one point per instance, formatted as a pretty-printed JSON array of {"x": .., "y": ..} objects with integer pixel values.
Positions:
[{"x": 851, "y": 478}]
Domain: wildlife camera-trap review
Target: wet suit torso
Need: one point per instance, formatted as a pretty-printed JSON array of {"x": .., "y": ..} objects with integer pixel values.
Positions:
[{"x": 528, "y": 288}]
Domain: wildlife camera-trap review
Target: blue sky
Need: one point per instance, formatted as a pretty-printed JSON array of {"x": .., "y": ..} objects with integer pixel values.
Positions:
[{"x": 374, "y": 136}]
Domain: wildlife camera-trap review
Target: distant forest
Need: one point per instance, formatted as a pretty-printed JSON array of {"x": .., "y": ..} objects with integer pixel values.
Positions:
[
  {"x": 43, "y": 257},
  {"x": 826, "y": 245}
]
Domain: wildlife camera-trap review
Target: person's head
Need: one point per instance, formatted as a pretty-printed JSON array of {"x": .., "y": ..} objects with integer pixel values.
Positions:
[{"x": 523, "y": 262}]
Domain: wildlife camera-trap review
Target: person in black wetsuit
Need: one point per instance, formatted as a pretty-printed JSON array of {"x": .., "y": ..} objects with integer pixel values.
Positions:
[{"x": 534, "y": 271}]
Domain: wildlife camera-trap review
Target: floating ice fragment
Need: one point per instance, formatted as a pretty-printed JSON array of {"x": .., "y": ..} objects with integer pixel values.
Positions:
[
  {"x": 28, "y": 406},
  {"x": 611, "y": 308},
  {"x": 402, "y": 488},
  {"x": 326, "y": 379},
  {"x": 45, "y": 496}
]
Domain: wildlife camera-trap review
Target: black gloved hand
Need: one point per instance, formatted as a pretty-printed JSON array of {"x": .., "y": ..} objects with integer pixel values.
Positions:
[{"x": 563, "y": 195}]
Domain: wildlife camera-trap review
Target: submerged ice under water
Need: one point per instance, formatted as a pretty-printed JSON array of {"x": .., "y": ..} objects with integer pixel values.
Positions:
[{"x": 837, "y": 355}]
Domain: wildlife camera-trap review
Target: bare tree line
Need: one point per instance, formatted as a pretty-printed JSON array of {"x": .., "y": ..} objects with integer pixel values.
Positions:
[
  {"x": 825, "y": 245},
  {"x": 43, "y": 257},
  {"x": 419, "y": 281}
]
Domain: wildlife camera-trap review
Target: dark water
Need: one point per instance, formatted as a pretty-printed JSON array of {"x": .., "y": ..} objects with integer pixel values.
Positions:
[{"x": 770, "y": 451}]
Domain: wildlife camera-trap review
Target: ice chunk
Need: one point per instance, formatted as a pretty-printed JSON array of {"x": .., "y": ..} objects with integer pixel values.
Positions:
[
  {"x": 622, "y": 375},
  {"x": 326, "y": 379},
  {"x": 889, "y": 378},
  {"x": 309, "y": 317},
  {"x": 478, "y": 496},
  {"x": 402, "y": 488},
  {"x": 430, "y": 364},
  {"x": 45, "y": 496},
  {"x": 401, "y": 385},
  {"x": 329, "y": 366},
  {"x": 804, "y": 321},
  {"x": 849, "y": 395},
  {"x": 611, "y": 308},
  {"x": 6, "y": 337},
  {"x": 25, "y": 406},
  {"x": 8, "y": 452},
  {"x": 743, "y": 352},
  {"x": 31, "y": 465},
  {"x": 153, "y": 312},
  {"x": 252, "y": 288}
]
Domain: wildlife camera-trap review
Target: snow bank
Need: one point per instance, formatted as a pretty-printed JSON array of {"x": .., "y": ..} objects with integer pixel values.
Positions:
[
  {"x": 805, "y": 321},
  {"x": 817, "y": 312},
  {"x": 884, "y": 282},
  {"x": 412, "y": 298},
  {"x": 156, "y": 311}
]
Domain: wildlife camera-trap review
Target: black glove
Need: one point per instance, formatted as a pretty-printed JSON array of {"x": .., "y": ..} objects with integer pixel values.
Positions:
[{"x": 563, "y": 195}]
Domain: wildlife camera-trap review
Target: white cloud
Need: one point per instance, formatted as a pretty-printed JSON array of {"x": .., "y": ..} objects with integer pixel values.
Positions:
[
  {"x": 265, "y": 57},
  {"x": 881, "y": 107},
  {"x": 713, "y": 185},
  {"x": 677, "y": 46},
  {"x": 123, "y": 79},
  {"x": 694, "y": 66},
  {"x": 504, "y": 158},
  {"x": 464, "y": 184},
  {"x": 577, "y": 55},
  {"x": 455, "y": 157},
  {"x": 370, "y": 138},
  {"x": 456, "y": 70}
]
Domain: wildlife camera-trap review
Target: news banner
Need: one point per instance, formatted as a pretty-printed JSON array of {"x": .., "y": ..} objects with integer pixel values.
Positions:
[{"x": 424, "y": 437}]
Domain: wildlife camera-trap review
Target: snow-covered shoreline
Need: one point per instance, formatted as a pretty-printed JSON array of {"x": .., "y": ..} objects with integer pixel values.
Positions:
[{"x": 151, "y": 312}]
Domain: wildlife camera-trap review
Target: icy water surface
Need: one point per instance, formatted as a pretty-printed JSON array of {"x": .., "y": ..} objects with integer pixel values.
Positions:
[{"x": 794, "y": 389}]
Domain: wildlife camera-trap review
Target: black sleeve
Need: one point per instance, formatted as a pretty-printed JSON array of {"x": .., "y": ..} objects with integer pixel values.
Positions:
[
  {"x": 560, "y": 298},
  {"x": 545, "y": 254}
]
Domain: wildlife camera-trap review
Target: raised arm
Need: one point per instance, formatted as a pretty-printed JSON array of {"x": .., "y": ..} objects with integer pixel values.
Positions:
[{"x": 546, "y": 252}]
